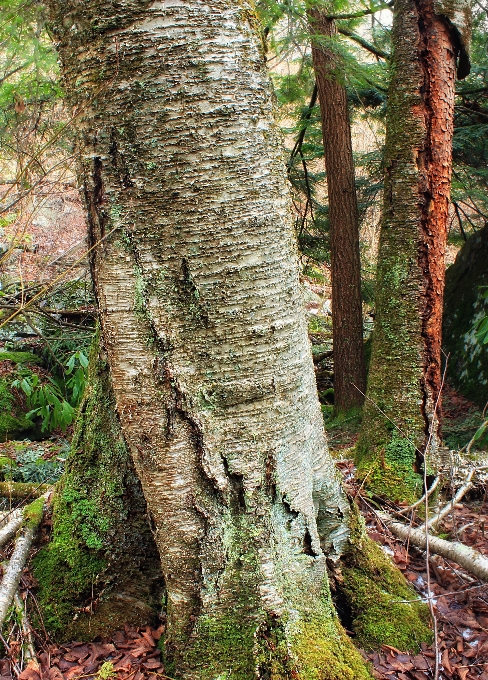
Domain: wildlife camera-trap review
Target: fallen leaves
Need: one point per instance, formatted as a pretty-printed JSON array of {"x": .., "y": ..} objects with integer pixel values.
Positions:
[{"x": 132, "y": 653}]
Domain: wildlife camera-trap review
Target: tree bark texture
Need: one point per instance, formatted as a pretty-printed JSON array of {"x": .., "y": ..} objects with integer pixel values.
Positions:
[
  {"x": 205, "y": 333},
  {"x": 405, "y": 374},
  {"x": 347, "y": 316}
]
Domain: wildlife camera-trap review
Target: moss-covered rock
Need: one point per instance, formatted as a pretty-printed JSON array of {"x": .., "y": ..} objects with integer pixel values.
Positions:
[
  {"x": 102, "y": 545},
  {"x": 19, "y": 357},
  {"x": 13, "y": 422},
  {"x": 464, "y": 307}
]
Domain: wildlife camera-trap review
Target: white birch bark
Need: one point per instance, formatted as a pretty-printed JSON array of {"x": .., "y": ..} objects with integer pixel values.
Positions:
[
  {"x": 203, "y": 321},
  {"x": 13, "y": 571},
  {"x": 11, "y": 527}
]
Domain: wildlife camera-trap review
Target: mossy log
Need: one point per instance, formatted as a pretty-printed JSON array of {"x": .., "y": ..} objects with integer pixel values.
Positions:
[
  {"x": 102, "y": 545},
  {"x": 22, "y": 490}
]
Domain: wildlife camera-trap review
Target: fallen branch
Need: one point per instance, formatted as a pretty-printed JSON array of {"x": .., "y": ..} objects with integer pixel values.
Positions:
[
  {"x": 472, "y": 560},
  {"x": 29, "y": 649},
  {"x": 461, "y": 492},
  {"x": 32, "y": 517},
  {"x": 14, "y": 523},
  {"x": 430, "y": 491}
]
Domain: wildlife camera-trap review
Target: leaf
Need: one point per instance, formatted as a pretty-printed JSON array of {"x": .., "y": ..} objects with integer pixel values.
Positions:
[
  {"x": 83, "y": 360},
  {"x": 480, "y": 431},
  {"x": 26, "y": 386}
]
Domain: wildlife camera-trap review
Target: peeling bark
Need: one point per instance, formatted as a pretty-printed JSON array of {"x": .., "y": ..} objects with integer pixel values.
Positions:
[
  {"x": 405, "y": 373},
  {"x": 347, "y": 316},
  {"x": 205, "y": 332}
]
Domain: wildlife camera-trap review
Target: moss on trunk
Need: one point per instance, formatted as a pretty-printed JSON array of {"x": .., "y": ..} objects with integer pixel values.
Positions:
[
  {"x": 401, "y": 413},
  {"x": 102, "y": 546},
  {"x": 383, "y": 607}
]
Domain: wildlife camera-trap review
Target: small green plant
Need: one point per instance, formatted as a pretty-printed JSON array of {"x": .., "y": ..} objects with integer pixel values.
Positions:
[
  {"x": 31, "y": 467},
  {"x": 48, "y": 400},
  {"x": 481, "y": 434},
  {"x": 106, "y": 671},
  {"x": 76, "y": 368}
]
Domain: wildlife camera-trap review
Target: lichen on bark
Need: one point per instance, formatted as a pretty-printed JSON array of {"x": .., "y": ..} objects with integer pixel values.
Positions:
[{"x": 205, "y": 333}]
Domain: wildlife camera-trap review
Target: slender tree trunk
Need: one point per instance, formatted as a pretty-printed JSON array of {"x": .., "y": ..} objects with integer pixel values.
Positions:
[
  {"x": 347, "y": 317},
  {"x": 204, "y": 328},
  {"x": 402, "y": 412}
]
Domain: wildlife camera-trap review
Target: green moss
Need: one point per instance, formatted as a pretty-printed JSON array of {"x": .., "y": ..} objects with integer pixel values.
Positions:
[
  {"x": 324, "y": 652},
  {"x": 12, "y": 422},
  {"x": 7, "y": 465},
  {"x": 384, "y": 607},
  {"x": 388, "y": 471},
  {"x": 20, "y": 357},
  {"x": 100, "y": 529},
  {"x": 229, "y": 632},
  {"x": 33, "y": 513}
]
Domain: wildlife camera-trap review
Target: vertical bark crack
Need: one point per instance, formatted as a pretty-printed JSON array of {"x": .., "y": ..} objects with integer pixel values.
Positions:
[{"x": 434, "y": 166}]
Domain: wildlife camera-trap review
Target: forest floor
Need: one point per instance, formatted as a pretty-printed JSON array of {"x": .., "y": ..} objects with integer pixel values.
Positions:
[
  {"x": 460, "y": 601},
  {"x": 461, "y": 610}
]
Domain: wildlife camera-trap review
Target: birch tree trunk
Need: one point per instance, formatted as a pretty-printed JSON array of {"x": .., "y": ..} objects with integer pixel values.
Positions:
[
  {"x": 205, "y": 333},
  {"x": 400, "y": 415},
  {"x": 347, "y": 316}
]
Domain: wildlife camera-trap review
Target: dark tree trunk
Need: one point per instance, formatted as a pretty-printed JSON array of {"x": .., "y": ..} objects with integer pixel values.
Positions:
[
  {"x": 405, "y": 373},
  {"x": 347, "y": 318}
]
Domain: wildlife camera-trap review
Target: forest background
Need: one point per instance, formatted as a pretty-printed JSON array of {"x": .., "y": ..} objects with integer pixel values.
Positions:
[{"x": 46, "y": 297}]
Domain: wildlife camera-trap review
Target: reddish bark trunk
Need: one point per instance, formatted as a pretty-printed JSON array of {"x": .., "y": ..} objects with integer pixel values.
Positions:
[
  {"x": 438, "y": 59},
  {"x": 405, "y": 373},
  {"x": 347, "y": 319}
]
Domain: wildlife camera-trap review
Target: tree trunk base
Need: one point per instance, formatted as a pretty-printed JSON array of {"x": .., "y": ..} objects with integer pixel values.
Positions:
[
  {"x": 101, "y": 568},
  {"x": 376, "y": 601}
]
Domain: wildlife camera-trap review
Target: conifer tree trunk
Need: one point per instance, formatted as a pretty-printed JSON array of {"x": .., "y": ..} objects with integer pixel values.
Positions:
[
  {"x": 347, "y": 317},
  {"x": 405, "y": 373}
]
